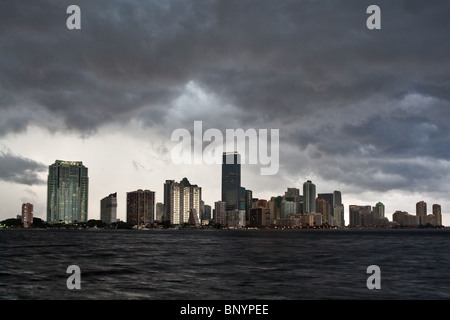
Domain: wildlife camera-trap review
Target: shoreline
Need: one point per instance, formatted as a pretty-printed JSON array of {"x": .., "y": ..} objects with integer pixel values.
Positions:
[{"x": 231, "y": 229}]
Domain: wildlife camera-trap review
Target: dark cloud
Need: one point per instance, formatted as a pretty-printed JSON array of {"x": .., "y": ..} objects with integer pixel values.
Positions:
[
  {"x": 17, "y": 169},
  {"x": 310, "y": 68}
]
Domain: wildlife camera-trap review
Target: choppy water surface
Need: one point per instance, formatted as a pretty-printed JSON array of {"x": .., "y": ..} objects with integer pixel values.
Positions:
[{"x": 225, "y": 264}]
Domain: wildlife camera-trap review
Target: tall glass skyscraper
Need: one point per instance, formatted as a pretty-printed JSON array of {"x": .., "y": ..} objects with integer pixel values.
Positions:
[
  {"x": 309, "y": 197},
  {"x": 231, "y": 180},
  {"x": 67, "y": 192},
  {"x": 167, "y": 188}
]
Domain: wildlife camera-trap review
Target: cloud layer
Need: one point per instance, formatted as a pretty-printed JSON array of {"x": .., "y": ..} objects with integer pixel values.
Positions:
[
  {"x": 366, "y": 108},
  {"x": 17, "y": 169}
]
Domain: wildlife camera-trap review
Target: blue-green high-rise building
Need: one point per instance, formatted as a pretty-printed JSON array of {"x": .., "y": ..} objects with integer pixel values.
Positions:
[
  {"x": 67, "y": 192},
  {"x": 309, "y": 197}
]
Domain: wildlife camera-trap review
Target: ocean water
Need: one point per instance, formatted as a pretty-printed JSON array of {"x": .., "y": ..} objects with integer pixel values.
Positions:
[{"x": 224, "y": 264}]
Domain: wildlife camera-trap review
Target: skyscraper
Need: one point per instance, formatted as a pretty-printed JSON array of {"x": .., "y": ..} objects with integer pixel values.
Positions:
[
  {"x": 220, "y": 213},
  {"x": 108, "y": 208},
  {"x": 159, "y": 214},
  {"x": 206, "y": 212},
  {"x": 421, "y": 211},
  {"x": 309, "y": 197},
  {"x": 167, "y": 185},
  {"x": 184, "y": 202},
  {"x": 231, "y": 180},
  {"x": 27, "y": 214},
  {"x": 379, "y": 210},
  {"x": 421, "y": 208},
  {"x": 338, "y": 217},
  {"x": 328, "y": 212},
  {"x": 337, "y": 198},
  {"x": 294, "y": 193},
  {"x": 140, "y": 207},
  {"x": 437, "y": 213},
  {"x": 67, "y": 192},
  {"x": 323, "y": 207},
  {"x": 337, "y": 210}
]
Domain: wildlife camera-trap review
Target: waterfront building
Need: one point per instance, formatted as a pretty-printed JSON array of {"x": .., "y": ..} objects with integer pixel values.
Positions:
[
  {"x": 231, "y": 180},
  {"x": 355, "y": 214},
  {"x": 206, "y": 213},
  {"x": 167, "y": 185},
  {"x": 288, "y": 207},
  {"x": 27, "y": 214},
  {"x": 434, "y": 219},
  {"x": 379, "y": 210},
  {"x": 220, "y": 213},
  {"x": 329, "y": 197},
  {"x": 364, "y": 216},
  {"x": 235, "y": 219},
  {"x": 309, "y": 197},
  {"x": 337, "y": 198},
  {"x": 67, "y": 192},
  {"x": 248, "y": 203},
  {"x": 183, "y": 198},
  {"x": 291, "y": 222},
  {"x": 140, "y": 207},
  {"x": 323, "y": 207},
  {"x": 437, "y": 213},
  {"x": 260, "y": 203},
  {"x": 108, "y": 208},
  {"x": 403, "y": 218},
  {"x": 339, "y": 220},
  {"x": 294, "y": 194},
  {"x": 311, "y": 220},
  {"x": 421, "y": 210},
  {"x": 257, "y": 218},
  {"x": 275, "y": 207},
  {"x": 159, "y": 213}
]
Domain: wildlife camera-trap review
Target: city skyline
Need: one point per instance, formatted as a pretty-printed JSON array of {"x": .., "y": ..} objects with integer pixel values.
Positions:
[
  {"x": 185, "y": 204},
  {"x": 67, "y": 197},
  {"x": 361, "y": 111},
  {"x": 420, "y": 205}
]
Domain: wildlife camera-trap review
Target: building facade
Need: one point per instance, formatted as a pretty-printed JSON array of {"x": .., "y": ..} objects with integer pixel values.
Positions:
[
  {"x": 235, "y": 219},
  {"x": 405, "y": 219},
  {"x": 309, "y": 197},
  {"x": 67, "y": 192},
  {"x": 421, "y": 210},
  {"x": 108, "y": 208},
  {"x": 339, "y": 220},
  {"x": 184, "y": 202},
  {"x": 323, "y": 207},
  {"x": 167, "y": 186},
  {"x": 438, "y": 214},
  {"x": 140, "y": 207},
  {"x": 231, "y": 180},
  {"x": 379, "y": 210},
  {"x": 27, "y": 214},
  {"x": 294, "y": 194},
  {"x": 159, "y": 213},
  {"x": 220, "y": 213}
]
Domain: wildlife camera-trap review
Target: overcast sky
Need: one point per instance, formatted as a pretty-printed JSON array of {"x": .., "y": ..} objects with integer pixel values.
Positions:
[{"x": 362, "y": 111}]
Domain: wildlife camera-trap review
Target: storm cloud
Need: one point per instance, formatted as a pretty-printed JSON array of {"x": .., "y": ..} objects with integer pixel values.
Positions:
[
  {"x": 17, "y": 169},
  {"x": 368, "y": 108}
]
